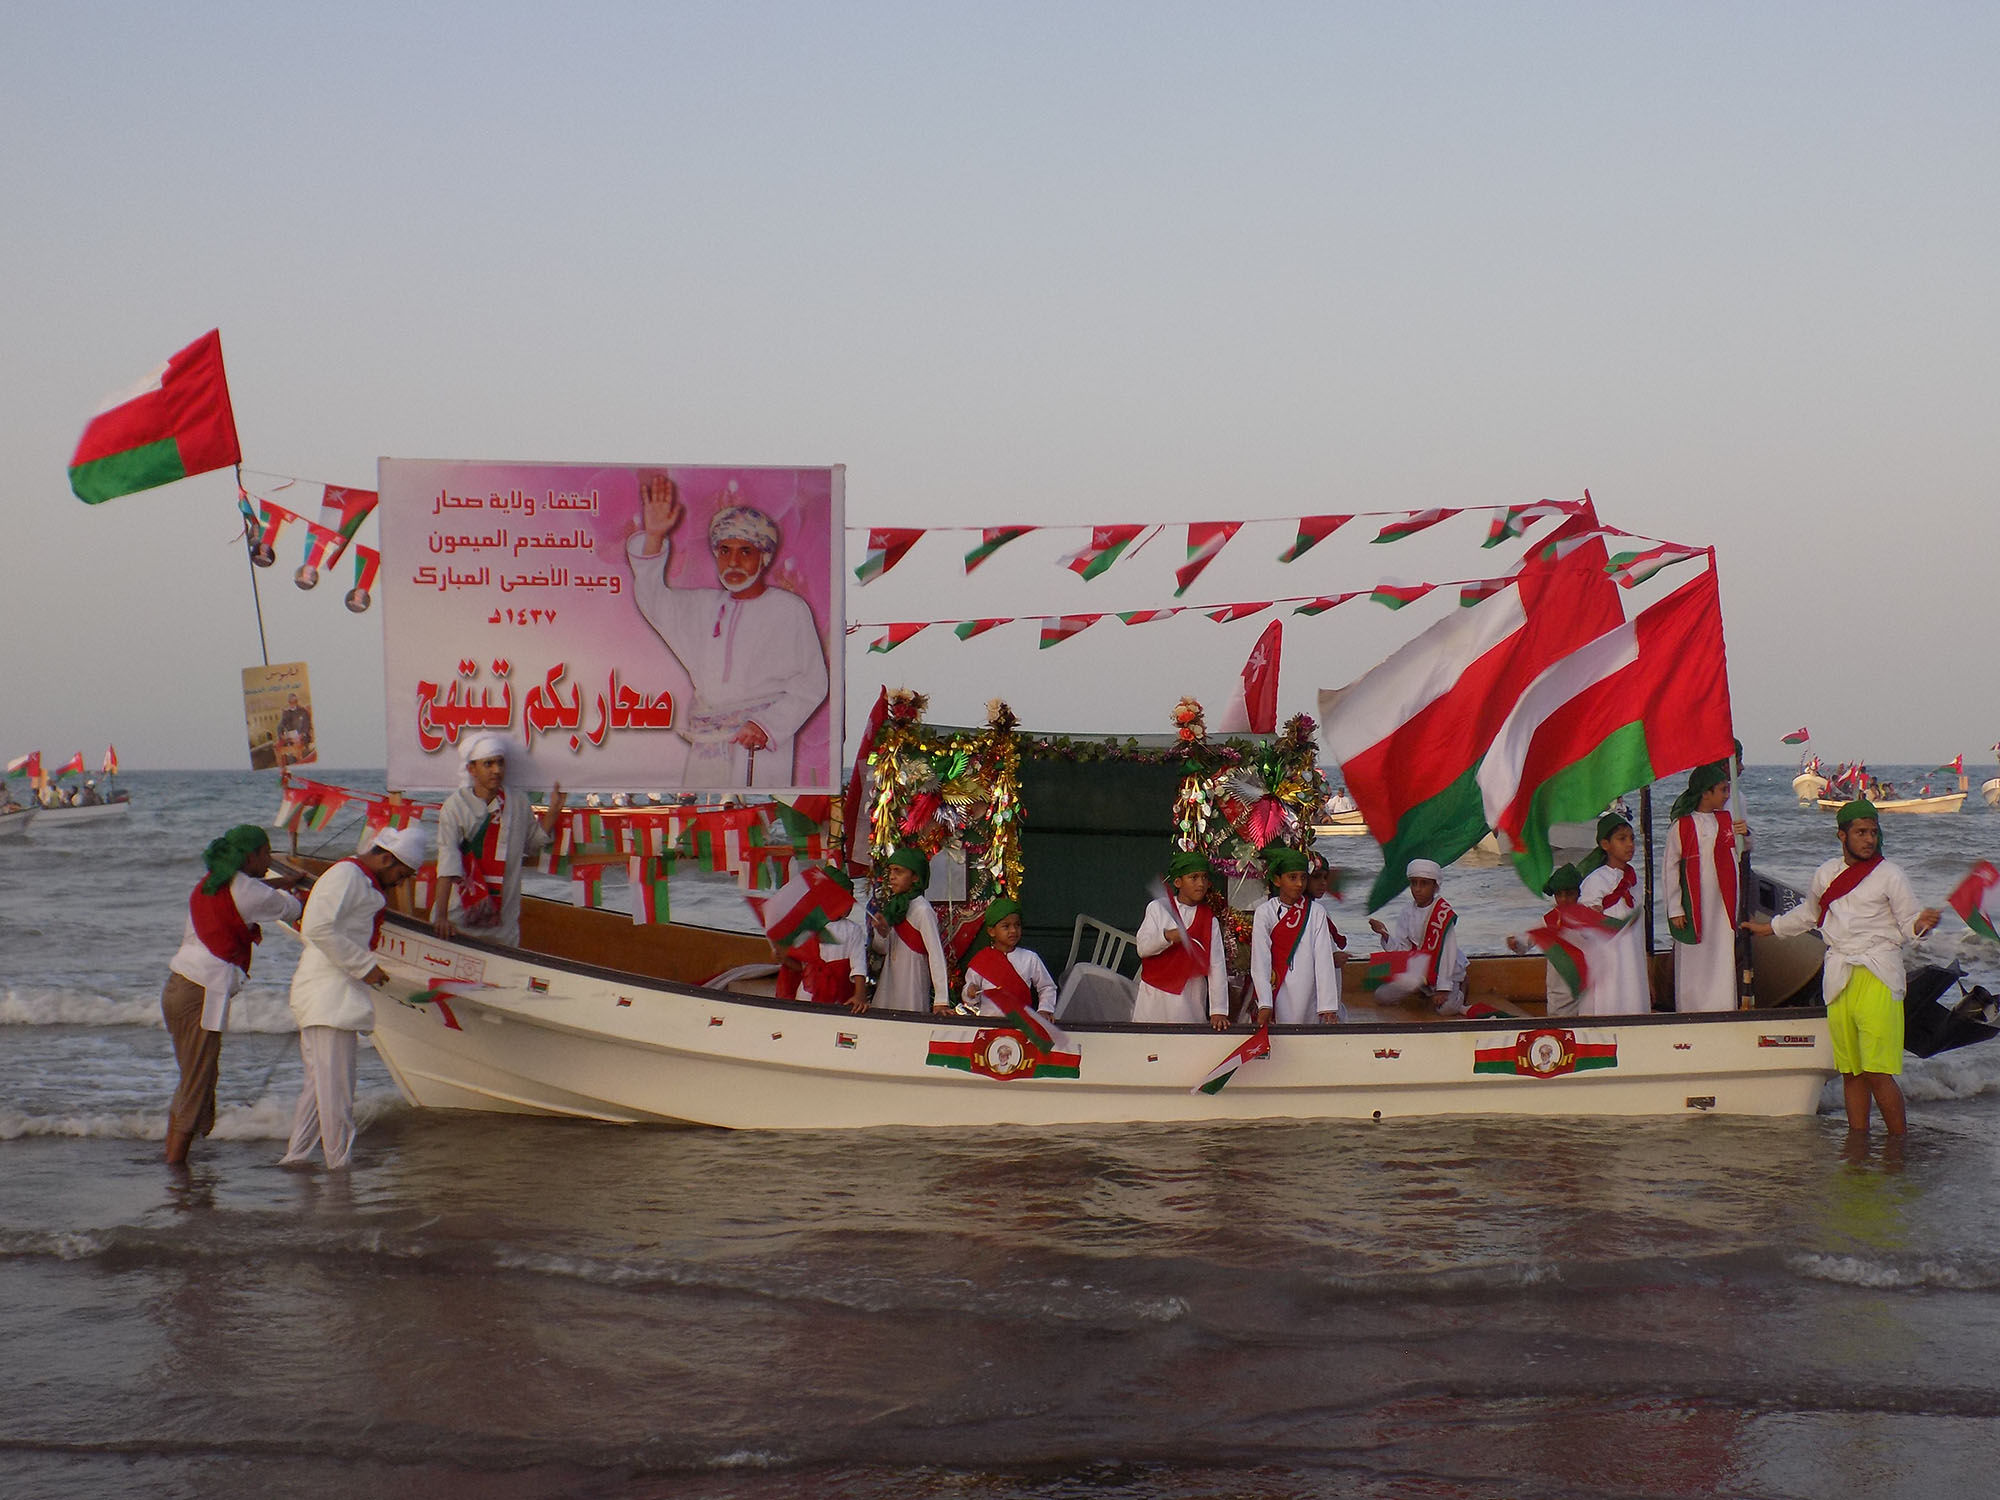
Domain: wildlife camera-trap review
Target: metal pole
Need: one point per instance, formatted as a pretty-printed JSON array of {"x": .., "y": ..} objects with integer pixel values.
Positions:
[
  {"x": 1646, "y": 823},
  {"x": 250, "y": 561}
]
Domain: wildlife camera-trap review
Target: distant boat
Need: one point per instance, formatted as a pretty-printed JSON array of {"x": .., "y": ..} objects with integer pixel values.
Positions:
[
  {"x": 91, "y": 812},
  {"x": 1348, "y": 824},
  {"x": 14, "y": 821},
  {"x": 1946, "y": 802},
  {"x": 1991, "y": 792},
  {"x": 1809, "y": 786}
]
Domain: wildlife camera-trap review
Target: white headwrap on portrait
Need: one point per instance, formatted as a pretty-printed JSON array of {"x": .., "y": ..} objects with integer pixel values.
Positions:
[
  {"x": 739, "y": 523},
  {"x": 485, "y": 746}
]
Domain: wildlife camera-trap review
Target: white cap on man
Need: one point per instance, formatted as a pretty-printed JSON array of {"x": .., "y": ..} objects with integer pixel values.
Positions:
[
  {"x": 1423, "y": 869},
  {"x": 411, "y": 845}
]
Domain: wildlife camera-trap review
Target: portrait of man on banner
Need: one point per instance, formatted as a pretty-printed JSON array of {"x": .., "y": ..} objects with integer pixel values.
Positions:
[{"x": 751, "y": 648}]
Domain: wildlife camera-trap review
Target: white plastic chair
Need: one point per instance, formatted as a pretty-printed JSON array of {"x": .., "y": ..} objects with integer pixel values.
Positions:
[{"x": 1108, "y": 945}]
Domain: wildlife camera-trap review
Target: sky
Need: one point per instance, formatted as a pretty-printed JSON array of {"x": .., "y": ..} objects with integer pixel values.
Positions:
[{"x": 1730, "y": 268}]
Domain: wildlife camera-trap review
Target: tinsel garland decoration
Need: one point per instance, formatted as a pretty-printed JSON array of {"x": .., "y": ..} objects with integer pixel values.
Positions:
[{"x": 939, "y": 791}]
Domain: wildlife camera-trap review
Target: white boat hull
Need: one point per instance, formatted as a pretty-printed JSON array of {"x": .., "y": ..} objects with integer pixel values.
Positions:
[
  {"x": 63, "y": 817},
  {"x": 15, "y": 821},
  {"x": 1808, "y": 787},
  {"x": 1991, "y": 792},
  {"x": 607, "y": 1046}
]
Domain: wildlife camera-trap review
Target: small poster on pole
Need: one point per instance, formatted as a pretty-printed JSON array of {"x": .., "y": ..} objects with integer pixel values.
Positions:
[{"x": 277, "y": 711}]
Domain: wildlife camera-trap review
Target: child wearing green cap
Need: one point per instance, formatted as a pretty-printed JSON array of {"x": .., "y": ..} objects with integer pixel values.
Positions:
[
  {"x": 905, "y": 933},
  {"x": 1561, "y": 888},
  {"x": 1699, "y": 870},
  {"x": 1183, "y": 972},
  {"x": 1291, "y": 948},
  {"x": 1001, "y": 923}
]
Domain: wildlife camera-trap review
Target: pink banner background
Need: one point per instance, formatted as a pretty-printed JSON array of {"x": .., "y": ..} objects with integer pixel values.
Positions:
[{"x": 495, "y": 574}]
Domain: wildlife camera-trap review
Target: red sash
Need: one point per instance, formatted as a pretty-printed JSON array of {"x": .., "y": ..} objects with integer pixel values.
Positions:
[
  {"x": 1442, "y": 916},
  {"x": 375, "y": 932},
  {"x": 221, "y": 927},
  {"x": 1172, "y": 968},
  {"x": 1725, "y": 868},
  {"x": 912, "y": 938},
  {"x": 1002, "y": 980},
  {"x": 1285, "y": 935},
  {"x": 1844, "y": 882},
  {"x": 1628, "y": 882}
]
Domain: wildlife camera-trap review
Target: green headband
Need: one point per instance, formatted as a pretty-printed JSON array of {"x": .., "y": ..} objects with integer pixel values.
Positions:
[
  {"x": 1860, "y": 807},
  {"x": 226, "y": 856},
  {"x": 1281, "y": 859},
  {"x": 998, "y": 910},
  {"x": 1609, "y": 824},
  {"x": 1188, "y": 862}
]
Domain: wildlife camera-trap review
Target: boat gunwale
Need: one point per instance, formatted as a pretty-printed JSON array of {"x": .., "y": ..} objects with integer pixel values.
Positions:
[{"x": 536, "y": 958}]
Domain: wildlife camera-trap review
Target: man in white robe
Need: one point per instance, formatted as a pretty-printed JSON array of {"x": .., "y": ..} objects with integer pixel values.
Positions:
[
  {"x": 1619, "y": 981},
  {"x": 1864, "y": 908},
  {"x": 1183, "y": 970},
  {"x": 1699, "y": 870},
  {"x": 333, "y": 988},
  {"x": 1427, "y": 925},
  {"x": 752, "y": 652},
  {"x": 1291, "y": 949},
  {"x": 486, "y": 830}
]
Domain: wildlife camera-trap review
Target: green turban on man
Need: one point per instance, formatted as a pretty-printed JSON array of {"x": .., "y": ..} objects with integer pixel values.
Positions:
[
  {"x": 1860, "y": 807},
  {"x": 225, "y": 857},
  {"x": 911, "y": 858}
]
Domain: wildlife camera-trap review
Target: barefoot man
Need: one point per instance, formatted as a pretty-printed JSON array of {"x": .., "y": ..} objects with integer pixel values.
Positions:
[{"x": 1864, "y": 909}]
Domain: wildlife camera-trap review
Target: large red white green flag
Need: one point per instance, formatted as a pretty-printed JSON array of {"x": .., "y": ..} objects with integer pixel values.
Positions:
[
  {"x": 178, "y": 422},
  {"x": 1410, "y": 735},
  {"x": 1642, "y": 701},
  {"x": 1977, "y": 899}
]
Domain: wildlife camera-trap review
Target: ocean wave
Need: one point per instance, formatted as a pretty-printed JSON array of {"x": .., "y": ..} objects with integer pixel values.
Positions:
[
  {"x": 1963, "y": 1074},
  {"x": 269, "y": 1119},
  {"x": 1890, "y": 1272},
  {"x": 254, "y": 1013}
]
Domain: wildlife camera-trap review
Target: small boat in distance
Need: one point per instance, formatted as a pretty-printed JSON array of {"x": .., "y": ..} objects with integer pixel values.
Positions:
[
  {"x": 14, "y": 820},
  {"x": 1944, "y": 802}
]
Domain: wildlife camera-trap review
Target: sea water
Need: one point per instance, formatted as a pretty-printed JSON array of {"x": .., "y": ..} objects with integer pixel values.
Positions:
[{"x": 500, "y": 1307}]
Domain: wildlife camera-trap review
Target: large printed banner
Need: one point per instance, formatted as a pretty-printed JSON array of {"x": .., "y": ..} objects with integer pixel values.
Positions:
[{"x": 666, "y": 627}]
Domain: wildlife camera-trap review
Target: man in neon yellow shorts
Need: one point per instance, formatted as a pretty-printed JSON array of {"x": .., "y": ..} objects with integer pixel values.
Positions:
[{"x": 1864, "y": 909}]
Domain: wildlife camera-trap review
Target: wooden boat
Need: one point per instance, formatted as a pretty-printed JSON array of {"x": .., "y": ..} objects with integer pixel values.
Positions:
[
  {"x": 14, "y": 821},
  {"x": 600, "y": 1019},
  {"x": 1944, "y": 802},
  {"x": 96, "y": 812},
  {"x": 1990, "y": 790},
  {"x": 1349, "y": 824}
]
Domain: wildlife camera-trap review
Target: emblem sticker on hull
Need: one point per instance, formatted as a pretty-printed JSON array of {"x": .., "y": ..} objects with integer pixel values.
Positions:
[
  {"x": 1001, "y": 1055},
  {"x": 1548, "y": 1052}
]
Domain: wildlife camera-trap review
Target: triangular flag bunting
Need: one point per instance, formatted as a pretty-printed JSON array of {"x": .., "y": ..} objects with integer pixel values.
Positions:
[
  {"x": 1107, "y": 544},
  {"x": 1312, "y": 531},
  {"x": 895, "y": 635},
  {"x": 1396, "y": 593},
  {"x": 1205, "y": 540},
  {"x": 1414, "y": 522},
  {"x": 991, "y": 540},
  {"x": 1324, "y": 603},
  {"x": 1230, "y": 613},
  {"x": 965, "y": 630},
  {"x": 1633, "y": 568},
  {"x": 886, "y": 547},
  {"x": 1519, "y": 518},
  {"x": 1059, "y": 628},
  {"x": 1470, "y": 594},
  {"x": 1146, "y": 616}
]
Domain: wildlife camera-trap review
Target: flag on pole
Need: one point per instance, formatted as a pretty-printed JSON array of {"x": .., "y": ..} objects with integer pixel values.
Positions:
[
  {"x": 1977, "y": 899},
  {"x": 1204, "y": 540},
  {"x": 29, "y": 765},
  {"x": 1409, "y": 735},
  {"x": 887, "y": 546},
  {"x": 1107, "y": 545},
  {"x": 1953, "y": 767},
  {"x": 176, "y": 423},
  {"x": 1631, "y": 569},
  {"x": 1312, "y": 531},
  {"x": 1410, "y": 525},
  {"x": 991, "y": 540},
  {"x": 1256, "y": 1045},
  {"x": 1642, "y": 701},
  {"x": 1797, "y": 737},
  {"x": 73, "y": 765},
  {"x": 1395, "y": 593},
  {"x": 109, "y": 765},
  {"x": 1519, "y": 518},
  {"x": 1253, "y": 708},
  {"x": 965, "y": 630},
  {"x": 1058, "y": 628}
]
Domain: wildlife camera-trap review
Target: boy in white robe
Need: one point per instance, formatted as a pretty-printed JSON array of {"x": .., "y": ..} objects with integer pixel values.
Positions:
[
  {"x": 752, "y": 652},
  {"x": 1002, "y": 923},
  {"x": 1864, "y": 909},
  {"x": 1291, "y": 949},
  {"x": 1561, "y": 888},
  {"x": 1619, "y": 983},
  {"x": 905, "y": 933},
  {"x": 1699, "y": 870},
  {"x": 333, "y": 988},
  {"x": 486, "y": 831},
  {"x": 1183, "y": 971},
  {"x": 1427, "y": 926}
]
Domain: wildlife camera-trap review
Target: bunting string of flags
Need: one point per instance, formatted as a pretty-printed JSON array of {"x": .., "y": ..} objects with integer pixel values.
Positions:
[
  {"x": 1629, "y": 569},
  {"x": 888, "y": 545}
]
